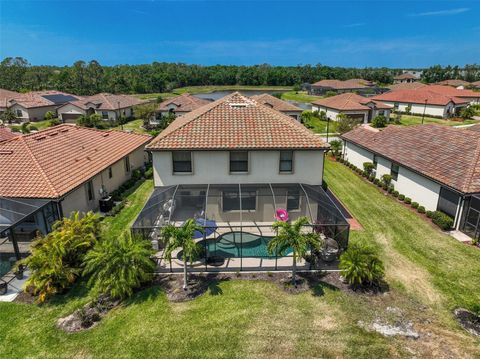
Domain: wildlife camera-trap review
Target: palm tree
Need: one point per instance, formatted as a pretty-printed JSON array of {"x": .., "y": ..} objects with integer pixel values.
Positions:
[
  {"x": 289, "y": 235},
  {"x": 182, "y": 237},
  {"x": 118, "y": 265}
]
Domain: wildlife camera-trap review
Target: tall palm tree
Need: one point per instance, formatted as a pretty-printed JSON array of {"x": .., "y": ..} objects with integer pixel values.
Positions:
[
  {"x": 289, "y": 235},
  {"x": 182, "y": 237}
]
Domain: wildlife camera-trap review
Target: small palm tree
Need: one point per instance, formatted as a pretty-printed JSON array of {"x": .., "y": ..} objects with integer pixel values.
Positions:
[
  {"x": 182, "y": 237},
  {"x": 119, "y": 265},
  {"x": 289, "y": 235}
]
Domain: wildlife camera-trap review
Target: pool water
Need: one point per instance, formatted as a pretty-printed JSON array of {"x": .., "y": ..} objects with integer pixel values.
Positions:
[{"x": 238, "y": 244}]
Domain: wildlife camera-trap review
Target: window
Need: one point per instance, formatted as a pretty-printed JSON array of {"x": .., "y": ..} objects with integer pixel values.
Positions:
[
  {"x": 182, "y": 162},
  {"x": 293, "y": 200},
  {"x": 396, "y": 105},
  {"x": 110, "y": 172},
  {"x": 394, "y": 171},
  {"x": 90, "y": 194},
  {"x": 127, "y": 164},
  {"x": 231, "y": 202},
  {"x": 105, "y": 115},
  {"x": 381, "y": 113},
  {"x": 286, "y": 161},
  {"x": 239, "y": 161},
  {"x": 19, "y": 113}
]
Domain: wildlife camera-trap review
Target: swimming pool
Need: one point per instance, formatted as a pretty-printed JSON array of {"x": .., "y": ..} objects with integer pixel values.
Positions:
[{"x": 238, "y": 244}]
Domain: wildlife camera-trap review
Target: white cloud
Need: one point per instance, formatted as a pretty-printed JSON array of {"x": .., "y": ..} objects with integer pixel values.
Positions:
[{"x": 442, "y": 12}]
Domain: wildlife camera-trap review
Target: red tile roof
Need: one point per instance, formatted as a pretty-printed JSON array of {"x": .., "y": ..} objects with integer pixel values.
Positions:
[
  {"x": 37, "y": 98},
  {"x": 445, "y": 154},
  {"x": 276, "y": 103},
  {"x": 6, "y": 95},
  {"x": 52, "y": 162},
  {"x": 350, "y": 102},
  {"x": 6, "y": 133},
  {"x": 420, "y": 95},
  {"x": 451, "y": 91},
  {"x": 236, "y": 122},
  {"x": 107, "y": 101},
  {"x": 405, "y": 76},
  {"x": 406, "y": 86},
  {"x": 475, "y": 84},
  {"x": 184, "y": 103},
  {"x": 454, "y": 83},
  {"x": 343, "y": 85},
  {"x": 474, "y": 128}
]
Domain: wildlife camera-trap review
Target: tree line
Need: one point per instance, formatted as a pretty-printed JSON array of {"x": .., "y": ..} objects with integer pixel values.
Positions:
[{"x": 87, "y": 78}]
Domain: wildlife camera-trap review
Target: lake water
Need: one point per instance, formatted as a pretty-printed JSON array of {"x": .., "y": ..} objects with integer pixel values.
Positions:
[{"x": 219, "y": 94}]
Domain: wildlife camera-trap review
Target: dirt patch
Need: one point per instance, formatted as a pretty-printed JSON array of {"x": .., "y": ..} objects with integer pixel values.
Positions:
[
  {"x": 468, "y": 320},
  {"x": 25, "y": 297}
]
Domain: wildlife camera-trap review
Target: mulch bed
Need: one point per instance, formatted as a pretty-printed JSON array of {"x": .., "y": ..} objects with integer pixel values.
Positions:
[
  {"x": 25, "y": 297},
  {"x": 306, "y": 281}
]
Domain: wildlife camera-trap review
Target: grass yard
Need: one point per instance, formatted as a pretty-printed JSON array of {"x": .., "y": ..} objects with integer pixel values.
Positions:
[
  {"x": 428, "y": 272},
  {"x": 135, "y": 126},
  {"x": 409, "y": 120},
  {"x": 319, "y": 126},
  {"x": 299, "y": 96}
]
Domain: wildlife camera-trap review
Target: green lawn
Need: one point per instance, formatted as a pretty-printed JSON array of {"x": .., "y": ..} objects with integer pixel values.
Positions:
[
  {"x": 299, "y": 96},
  {"x": 409, "y": 120},
  {"x": 319, "y": 126},
  {"x": 428, "y": 272},
  {"x": 135, "y": 126}
]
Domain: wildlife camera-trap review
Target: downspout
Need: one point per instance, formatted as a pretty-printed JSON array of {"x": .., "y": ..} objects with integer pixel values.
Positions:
[{"x": 459, "y": 212}]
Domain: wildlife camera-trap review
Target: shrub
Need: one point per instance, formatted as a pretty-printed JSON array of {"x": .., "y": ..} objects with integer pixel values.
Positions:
[
  {"x": 395, "y": 193},
  {"x": 415, "y": 205},
  {"x": 117, "y": 266},
  {"x": 444, "y": 221},
  {"x": 391, "y": 188},
  {"x": 149, "y": 173},
  {"x": 49, "y": 115},
  {"x": 387, "y": 179},
  {"x": 54, "y": 122},
  {"x": 376, "y": 181},
  {"x": 401, "y": 197},
  {"x": 368, "y": 167},
  {"x": 429, "y": 214},
  {"x": 361, "y": 266},
  {"x": 379, "y": 121},
  {"x": 371, "y": 178},
  {"x": 384, "y": 186},
  {"x": 57, "y": 259},
  {"x": 33, "y": 128},
  {"x": 408, "y": 200},
  {"x": 421, "y": 209},
  {"x": 336, "y": 147}
]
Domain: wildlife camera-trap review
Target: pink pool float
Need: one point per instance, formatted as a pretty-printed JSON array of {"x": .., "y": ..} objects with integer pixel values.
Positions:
[{"x": 281, "y": 215}]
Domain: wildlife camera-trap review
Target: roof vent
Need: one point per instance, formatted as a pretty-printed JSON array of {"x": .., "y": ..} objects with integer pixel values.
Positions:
[
  {"x": 105, "y": 134},
  {"x": 239, "y": 105},
  {"x": 53, "y": 134},
  {"x": 39, "y": 138},
  {"x": 6, "y": 152}
]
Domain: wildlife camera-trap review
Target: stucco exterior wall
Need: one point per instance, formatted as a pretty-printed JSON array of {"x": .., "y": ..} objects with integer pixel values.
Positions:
[
  {"x": 32, "y": 114},
  {"x": 430, "y": 110},
  {"x": 419, "y": 188},
  {"x": 213, "y": 167},
  {"x": 332, "y": 114},
  {"x": 70, "y": 110},
  {"x": 77, "y": 200}
]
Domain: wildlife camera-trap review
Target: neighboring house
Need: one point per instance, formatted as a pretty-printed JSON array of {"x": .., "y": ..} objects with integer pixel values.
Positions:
[
  {"x": 352, "y": 105},
  {"x": 70, "y": 166},
  {"x": 436, "y": 101},
  {"x": 32, "y": 106},
  {"x": 236, "y": 139},
  {"x": 458, "y": 84},
  {"x": 5, "y": 96},
  {"x": 352, "y": 85},
  {"x": 436, "y": 166},
  {"x": 7, "y": 134},
  {"x": 110, "y": 107},
  {"x": 179, "y": 105},
  {"x": 406, "y": 77},
  {"x": 475, "y": 85},
  {"x": 277, "y": 104}
]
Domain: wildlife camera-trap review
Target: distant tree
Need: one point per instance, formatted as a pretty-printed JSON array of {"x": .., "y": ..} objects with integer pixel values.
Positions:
[
  {"x": 336, "y": 147},
  {"x": 49, "y": 115},
  {"x": 145, "y": 112},
  {"x": 8, "y": 116}
]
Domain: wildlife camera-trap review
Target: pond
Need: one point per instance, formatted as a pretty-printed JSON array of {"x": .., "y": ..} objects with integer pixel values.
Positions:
[{"x": 215, "y": 95}]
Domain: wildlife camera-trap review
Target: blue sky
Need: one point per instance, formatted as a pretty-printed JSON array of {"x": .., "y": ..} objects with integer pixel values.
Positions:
[{"x": 341, "y": 33}]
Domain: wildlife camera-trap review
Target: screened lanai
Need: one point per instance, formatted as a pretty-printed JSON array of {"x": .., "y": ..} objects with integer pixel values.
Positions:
[
  {"x": 20, "y": 221},
  {"x": 237, "y": 221}
]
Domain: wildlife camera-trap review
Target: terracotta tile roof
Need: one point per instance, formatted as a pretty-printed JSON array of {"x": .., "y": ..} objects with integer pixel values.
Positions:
[
  {"x": 350, "y": 102},
  {"x": 405, "y": 76},
  {"x": 474, "y": 128},
  {"x": 276, "y": 103},
  {"x": 475, "y": 84},
  {"x": 107, "y": 101},
  {"x": 6, "y": 95},
  {"x": 236, "y": 122},
  {"x": 406, "y": 86},
  {"x": 451, "y": 91},
  {"x": 427, "y": 93},
  {"x": 41, "y": 98},
  {"x": 184, "y": 103},
  {"x": 454, "y": 83},
  {"x": 343, "y": 85},
  {"x": 445, "y": 154},
  {"x": 52, "y": 162},
  {"x": 6, "y": 133}
]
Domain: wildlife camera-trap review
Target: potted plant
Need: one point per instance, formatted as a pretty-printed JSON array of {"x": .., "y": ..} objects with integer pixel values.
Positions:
[{"x": 19, "y": 269}]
